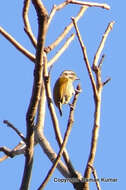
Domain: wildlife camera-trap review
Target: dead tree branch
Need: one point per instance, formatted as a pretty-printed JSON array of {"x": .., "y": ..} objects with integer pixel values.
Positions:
[
  {"x": 54, "y": 9},
  {"x": 27, "y": 27},
  {"x": 95, "y": 177},
  {"x": 66, "y": 31},
  {"x": 90, "y": 4},
  {"x": 15, "y": 129},
  {"x": 19, "y": 149},
  {"x": 17, "y": 45},
  {"x": 97, "y": 90},
  {"x": 101, "y": 45},
  {"x": 83, "y": 47},
  {"x": 61, "y": 50}
]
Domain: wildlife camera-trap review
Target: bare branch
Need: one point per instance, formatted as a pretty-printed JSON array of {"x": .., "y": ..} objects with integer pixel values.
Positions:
[
  {"x": 56, "y": 8},
  {"x": 101, "y": 61},
  {"x": 65, "y": 139},
  {"x": 3, "y": 158},
  {"x": 17, "y": 45},
  {"x": 83, "y": 47},
  {"x": 7, "y": 151},
  {"x": 101, "y": 45},
  {"x": 27, "y": 26},
  {"x": 90, "y": 4},
  {"x": 97, "y": 114},
  {"x": 15, "y": 129},
  {"x": 104, "y": 83},
  {"x": 66, "y": 31},
  {"x": 41, "y": 110},
  {"x": 48, "y": 150},
  {"x": 19, "y": 149},
  {"x": 60, "y": 51},
  {"x": 95, "y": 177}
]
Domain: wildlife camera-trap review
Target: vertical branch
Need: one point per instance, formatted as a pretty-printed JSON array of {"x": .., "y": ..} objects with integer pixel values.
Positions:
[
  {"x": 42, "y": 26},
  {"x": 97, "y": 100},
  {"x": 27, "y": 27},
  {"x": 41, "y": 110},
  {"x": 83, "y": 47},
  {"x": 95, "y": 177},
  {"x": 97, "y": 87},
  {"x": 101, "y": 45}
]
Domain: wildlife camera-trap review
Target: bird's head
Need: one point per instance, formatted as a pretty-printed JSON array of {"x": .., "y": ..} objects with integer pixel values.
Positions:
[{"x": 68, "y": 74}]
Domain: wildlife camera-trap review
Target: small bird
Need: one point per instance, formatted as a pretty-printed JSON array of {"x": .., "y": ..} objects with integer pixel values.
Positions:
[{"x": 63, "y": 88}]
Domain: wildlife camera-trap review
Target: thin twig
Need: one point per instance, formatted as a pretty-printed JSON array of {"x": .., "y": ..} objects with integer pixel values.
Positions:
[
  {"x": 101, "y": 45},
  {"x": 17, "y": 45},
  {"x": 3, "y": 158},
  {"x": 105, "y": 82},
  {"x": 65, "y": 139},
  {"x": 19, "y": 149},
  {"x": 55, "y": 120},
  {"x": 83, "y": 47},
  {"x": 60, "y": 51},
  {"x": 90, "y": 4},
  {"x": 54, "y": 9},
  {"x": 95, "y": 177},
  {"x": 101, "y": 61},
  {"x": 27, "y": 26},
  {"x": 51, "y": 154},
  {"x": 66, "y": 31},
  {"x": 15, "y": 129},
  {"x": 7, "y": 151}
]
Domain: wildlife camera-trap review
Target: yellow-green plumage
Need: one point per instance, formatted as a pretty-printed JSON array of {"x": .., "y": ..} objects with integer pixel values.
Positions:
[{"x": 63, "y": 89}]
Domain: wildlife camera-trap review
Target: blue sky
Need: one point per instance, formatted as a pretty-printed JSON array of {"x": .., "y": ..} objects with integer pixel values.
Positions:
[{"x": 16, "y": 77}]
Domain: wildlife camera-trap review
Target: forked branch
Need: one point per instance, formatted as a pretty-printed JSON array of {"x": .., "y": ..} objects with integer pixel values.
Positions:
[
  {"x": 56, "y": 8},
  {"x": 101, "y": 45},
  {"x": 97, "y": 90},
  {"x": 15, "y": 129},
  {"x": 27, "y": 26}
]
